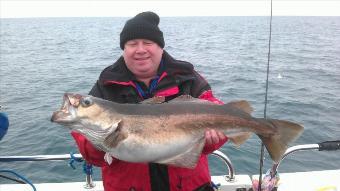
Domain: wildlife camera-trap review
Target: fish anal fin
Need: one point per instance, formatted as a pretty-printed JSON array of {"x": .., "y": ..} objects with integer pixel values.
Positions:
[
  {"x": 239, "y": 138},
  {"x": 241, "y": 105},
  {"x": 278, "y": 143},
  {"x": 114, "y": 138},
  {"x": 187, "y": 159}
]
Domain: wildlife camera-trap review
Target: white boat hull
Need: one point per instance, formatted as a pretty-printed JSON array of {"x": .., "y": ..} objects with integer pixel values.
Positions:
[{"x": 328, "y": 180}]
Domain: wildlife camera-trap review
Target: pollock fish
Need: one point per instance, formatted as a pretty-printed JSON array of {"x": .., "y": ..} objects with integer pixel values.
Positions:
[{"x": 170, "y": 133}]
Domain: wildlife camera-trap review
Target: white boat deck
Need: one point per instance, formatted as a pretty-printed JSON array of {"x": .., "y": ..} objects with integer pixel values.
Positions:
[{"x": 328, "y": 180}]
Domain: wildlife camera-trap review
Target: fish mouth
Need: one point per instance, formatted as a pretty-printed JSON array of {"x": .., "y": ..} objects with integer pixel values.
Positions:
[{"x": 67, "y": 112}]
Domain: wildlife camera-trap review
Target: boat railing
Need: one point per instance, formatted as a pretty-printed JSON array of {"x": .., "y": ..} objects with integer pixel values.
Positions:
[
  {"x": 89, "y": 181},
  {"x": 324, "y": 146},
  {"x": 40, "y": 158},
  {"x": 231, "y": 171}
]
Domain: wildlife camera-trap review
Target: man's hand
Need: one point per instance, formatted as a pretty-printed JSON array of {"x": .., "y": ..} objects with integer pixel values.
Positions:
[{"x": 213, "y": 137}]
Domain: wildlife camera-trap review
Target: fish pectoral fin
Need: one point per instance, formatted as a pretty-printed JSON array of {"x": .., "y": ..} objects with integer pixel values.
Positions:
[
  {"x": 240, "y": 138},
  {"x": 115, "y": 137},
  {"x": 187, "y": 159},
  {"x": 241, "y": 105}
]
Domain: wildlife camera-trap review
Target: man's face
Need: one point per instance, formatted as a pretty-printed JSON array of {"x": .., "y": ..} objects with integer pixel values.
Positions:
[{"x": 142, "y": 57}]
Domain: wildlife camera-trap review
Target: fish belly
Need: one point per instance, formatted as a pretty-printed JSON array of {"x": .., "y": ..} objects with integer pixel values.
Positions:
[{"x": 134, "y": 149}]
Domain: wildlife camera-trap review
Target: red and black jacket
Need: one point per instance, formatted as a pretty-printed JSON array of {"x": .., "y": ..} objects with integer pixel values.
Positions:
[{"x": 116, "y": 83}]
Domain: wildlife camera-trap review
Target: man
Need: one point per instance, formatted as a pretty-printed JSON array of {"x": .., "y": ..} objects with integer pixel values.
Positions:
[{"x": 146, "y": 70}]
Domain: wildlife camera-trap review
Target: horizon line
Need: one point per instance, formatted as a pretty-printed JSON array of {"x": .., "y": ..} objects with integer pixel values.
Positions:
[{"x": 165, "y": 8}]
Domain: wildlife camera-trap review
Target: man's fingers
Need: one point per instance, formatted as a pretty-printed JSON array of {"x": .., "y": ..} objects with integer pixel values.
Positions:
[
  {"x": 208, "y": 140},
  {"x": 221, "y": 135},
  {"x": 213, "y": 137}
]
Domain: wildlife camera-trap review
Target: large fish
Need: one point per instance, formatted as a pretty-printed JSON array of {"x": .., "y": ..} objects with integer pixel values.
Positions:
[{"x": 169, "y": 133}]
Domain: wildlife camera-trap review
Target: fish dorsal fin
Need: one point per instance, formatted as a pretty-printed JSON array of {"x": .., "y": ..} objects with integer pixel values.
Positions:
[
  {"x": 189, "y": 98},
  {"x": 239, "y": 138},
  {"x": 187, "y": 159},
  {"x": 185, "y": 97},
  {"x": 115, "y": 137},
  {"x": 154, "y": 100},
  {"x": 241, "y": 105}
]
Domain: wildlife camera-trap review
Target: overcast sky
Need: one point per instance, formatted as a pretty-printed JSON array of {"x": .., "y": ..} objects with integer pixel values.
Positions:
[{"x": 113, "y": 8}]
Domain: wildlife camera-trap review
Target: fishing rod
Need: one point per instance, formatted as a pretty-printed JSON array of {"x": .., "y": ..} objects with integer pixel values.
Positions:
[{"x": 266, "y": 94}]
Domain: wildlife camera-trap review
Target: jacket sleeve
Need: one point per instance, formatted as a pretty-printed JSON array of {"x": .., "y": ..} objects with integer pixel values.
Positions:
[
  {"x": 88, "y": 151},
  {"x": 208, "y": 95}
]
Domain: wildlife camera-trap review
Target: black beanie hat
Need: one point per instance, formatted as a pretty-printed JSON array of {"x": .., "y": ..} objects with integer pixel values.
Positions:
[{"x": 142, "y": 26}]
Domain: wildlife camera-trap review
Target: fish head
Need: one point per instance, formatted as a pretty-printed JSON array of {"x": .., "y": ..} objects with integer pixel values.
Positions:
[
  {"x": 69, "y": 110},
  {"x": 84, "y": 112}
]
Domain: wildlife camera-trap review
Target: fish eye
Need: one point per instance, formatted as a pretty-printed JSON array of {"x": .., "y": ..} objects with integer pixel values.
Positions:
[{"x": 87, "y": 101}]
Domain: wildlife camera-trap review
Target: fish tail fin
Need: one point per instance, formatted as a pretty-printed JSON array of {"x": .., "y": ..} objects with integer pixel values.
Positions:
[{"x": 277, "y": 144}]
